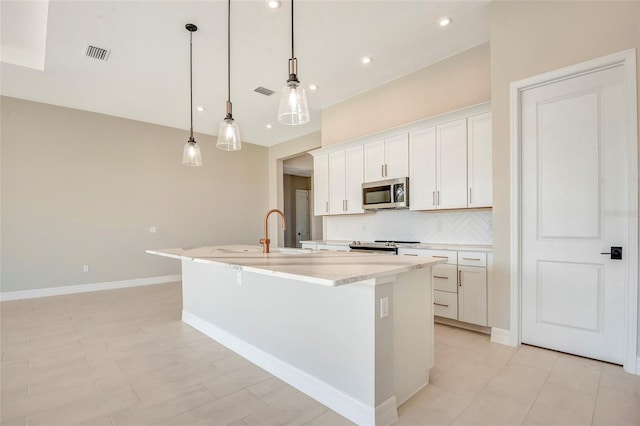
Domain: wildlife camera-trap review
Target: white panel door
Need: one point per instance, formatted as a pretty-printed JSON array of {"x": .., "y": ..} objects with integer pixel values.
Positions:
[
  {"x": 479, "y": 169},
  {"x": 337, "y": 182},
  {"x": 374, "y": 161},
  {"x": 321, "y": 185},
  {"x": 397, "y": 156},
  {"x": 452, "y": 165},
  {"x": 574, "y": 195},
  {"x": 354, "y": 159},
  {"x": 422, "y": 170}
]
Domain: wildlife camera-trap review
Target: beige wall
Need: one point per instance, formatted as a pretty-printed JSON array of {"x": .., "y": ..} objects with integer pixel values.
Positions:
[
  {"x": 83, "y": 188},
  {"x": 457, "y": 82},
  {"x": 529, "y": 38}
]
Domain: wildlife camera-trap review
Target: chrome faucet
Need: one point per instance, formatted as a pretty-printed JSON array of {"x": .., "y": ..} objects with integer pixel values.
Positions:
[{"x": 265, "y": 241}]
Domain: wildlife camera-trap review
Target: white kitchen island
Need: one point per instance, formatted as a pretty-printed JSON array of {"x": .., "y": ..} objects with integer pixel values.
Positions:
[{"x": 352, "y": 330}]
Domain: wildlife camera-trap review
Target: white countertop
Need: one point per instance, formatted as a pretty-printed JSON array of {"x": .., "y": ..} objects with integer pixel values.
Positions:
[
  {"x": 432, "y": 246},
  {"x": 318, "y": 267}
]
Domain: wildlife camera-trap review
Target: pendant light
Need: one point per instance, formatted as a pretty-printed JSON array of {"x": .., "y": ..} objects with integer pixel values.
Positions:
[
  {"x": 229, "y": 133},
  {"x": 191, "y": 152},
  {"x": 293, "y": 108}
]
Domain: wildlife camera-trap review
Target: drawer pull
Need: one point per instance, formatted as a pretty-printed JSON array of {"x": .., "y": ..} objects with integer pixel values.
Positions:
[
  {"x": 471, "y": 258},
  {"x": 442, "y": 278},
  {"x": 410, "y": 254},
  {"x": 442, "y": 257},
  {"x": 441, "y": 304}
]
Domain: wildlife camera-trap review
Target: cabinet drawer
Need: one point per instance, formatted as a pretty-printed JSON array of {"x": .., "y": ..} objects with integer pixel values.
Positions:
[
  {"x": 333, "y": 247},
  {"x": 445, "y": 278},
  {"x": 472, "y": 258},
  {"x": 445, "y": 304},
  {"x": 451, "y": 256}
]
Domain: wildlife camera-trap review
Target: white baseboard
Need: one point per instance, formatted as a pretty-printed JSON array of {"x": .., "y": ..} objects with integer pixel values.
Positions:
[
  {"x": 502, "y": 336},
  {"x": 351, "y": 408},
  {"x": 83, "y": 288}
]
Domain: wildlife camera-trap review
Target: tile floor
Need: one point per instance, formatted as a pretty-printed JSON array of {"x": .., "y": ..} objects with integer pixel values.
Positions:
[{"x": 123, "y": 357}]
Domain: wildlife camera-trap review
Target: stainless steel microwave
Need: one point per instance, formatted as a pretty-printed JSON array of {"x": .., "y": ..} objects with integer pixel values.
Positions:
[{"x": 386, "y": 194}]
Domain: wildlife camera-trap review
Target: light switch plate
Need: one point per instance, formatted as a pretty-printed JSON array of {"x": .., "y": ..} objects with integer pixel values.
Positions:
[{"x": 384, "y": 307}]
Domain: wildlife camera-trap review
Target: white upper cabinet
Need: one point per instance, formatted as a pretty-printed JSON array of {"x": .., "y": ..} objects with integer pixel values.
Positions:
[
  {"x": 387, "y": 158},
  {"x": 479, "y": 165},
  {"x": 354, "y": 178},
  {"x": 345, "y": 181},
  {"x": 438, "y": 178},
  {"x": 422, "y": 169},
  {"x": 321, "y": 184},
  {"x": 337, "y": 182},
  {"x": 451, "y": 165}
]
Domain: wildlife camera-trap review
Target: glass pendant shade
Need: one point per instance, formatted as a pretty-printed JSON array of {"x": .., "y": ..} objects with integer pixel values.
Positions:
[
  {"x": 191, "y": 154},
  {"x": 293, "y": 109},
  {"x": 229, "y": 135}
]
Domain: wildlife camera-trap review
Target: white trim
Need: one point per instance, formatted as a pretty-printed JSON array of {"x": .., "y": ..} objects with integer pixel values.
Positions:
[
  {"x": 627, "y": 59},
  {"x": 502, "y": 336},
  {"x": 351, "y": 408},
  {"x": 84, "y": 288}
]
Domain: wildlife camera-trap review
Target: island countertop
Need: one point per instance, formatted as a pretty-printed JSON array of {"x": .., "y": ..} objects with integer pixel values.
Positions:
[{"x": 317, "y": 267}]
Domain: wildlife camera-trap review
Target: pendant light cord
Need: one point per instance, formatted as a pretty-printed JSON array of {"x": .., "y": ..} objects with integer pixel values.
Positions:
[
  {"x": 191, "y": 79},
  {"x": 292, "y": 55},
  {"x": 229, "y": 51}
]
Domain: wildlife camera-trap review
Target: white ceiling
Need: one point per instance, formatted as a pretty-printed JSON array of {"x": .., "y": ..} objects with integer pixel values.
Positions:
[{"x": 146, "y": 76}]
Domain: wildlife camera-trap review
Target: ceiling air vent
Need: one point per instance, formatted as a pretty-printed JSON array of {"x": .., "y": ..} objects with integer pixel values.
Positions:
[
  {"x": 264, "y": 91},
  {"x": 97, "y": 53}
]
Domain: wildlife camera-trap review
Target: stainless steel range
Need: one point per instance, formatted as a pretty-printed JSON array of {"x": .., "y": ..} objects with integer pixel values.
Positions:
[{"x": 379, "y": 246}]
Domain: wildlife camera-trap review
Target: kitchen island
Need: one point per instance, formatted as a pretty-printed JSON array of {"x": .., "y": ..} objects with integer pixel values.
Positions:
[{"x": 354, "y": 331}]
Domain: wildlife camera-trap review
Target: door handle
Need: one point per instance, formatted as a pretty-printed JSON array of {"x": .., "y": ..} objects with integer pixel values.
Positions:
[{"x": 615, "y": 252}]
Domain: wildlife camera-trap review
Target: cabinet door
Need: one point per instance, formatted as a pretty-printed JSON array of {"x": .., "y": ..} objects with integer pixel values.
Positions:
[
  {"x": 479, "y": 168},
  {"x": 337, "y": 182},
  {"x": 397, "y": 156},
  {"x": 321, "y": 185},
  {"x": 472, "y": 295},
  {"x": 374, "y": 161},
  {"x": 422, "y": 170},
  {"x": 354, "y": 161},
  {"x": 451, "y": 140}
]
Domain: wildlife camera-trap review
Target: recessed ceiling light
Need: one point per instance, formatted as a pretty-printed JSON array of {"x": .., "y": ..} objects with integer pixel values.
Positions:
[
  {"x": 444, "y": 21},
  {"x": 269, "y": 126},
  {"x": 366, "y": 59},
  {"x": 273, "y": 4},
  {"x": 201, "y": 109},
  {"x": 313, "y": 87}
]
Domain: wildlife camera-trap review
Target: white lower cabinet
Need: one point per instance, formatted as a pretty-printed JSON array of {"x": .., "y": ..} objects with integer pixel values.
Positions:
[
  {"x": 459, "y": 285},
  {"x": 472, "y": 295}
]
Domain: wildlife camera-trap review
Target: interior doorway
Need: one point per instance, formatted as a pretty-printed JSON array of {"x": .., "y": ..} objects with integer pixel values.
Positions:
[
  {"x": 297, "y": 192},
  {"x": 574, "y": 237}
]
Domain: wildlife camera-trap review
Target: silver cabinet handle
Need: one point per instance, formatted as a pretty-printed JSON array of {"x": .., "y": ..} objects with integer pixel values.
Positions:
[
  {"x": 442, "y": 278},
  {"x": 326, "y": 207},
  {"x": 386, "y": 170},
  {"x": 382, "y": 169},
  {"x": 438, "y": 197},
  {"x": 471, "y": 258},
  {"x": 434, "y": 198},
  {"x": 460, "y": 278},
  {"x": 410, "y": 254},
  {"x": 441, "y": 257},
  {"x": 470, "y": 196},
  {"x": 344, "y": 205},
  {"x": 440, "y": 304}
]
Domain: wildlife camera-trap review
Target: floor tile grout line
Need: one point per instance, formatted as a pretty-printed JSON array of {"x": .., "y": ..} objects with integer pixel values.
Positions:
[
  {"x": 595, "y": 401},
  {"x": 541, "y": 387}
]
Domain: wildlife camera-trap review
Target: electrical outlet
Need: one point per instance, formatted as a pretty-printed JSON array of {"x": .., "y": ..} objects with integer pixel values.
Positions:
[
  {"x": 239, "y": 278},
  {"x": 152, "y": 230},
  {"x": 439, "y": 226},
  {"x": 384, "y": 307},
  {"x": 85, "y": 268}
]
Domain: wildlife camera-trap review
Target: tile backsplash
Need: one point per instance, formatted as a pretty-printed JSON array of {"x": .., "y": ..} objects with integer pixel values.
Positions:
[{"x": 451, "y": 227}]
